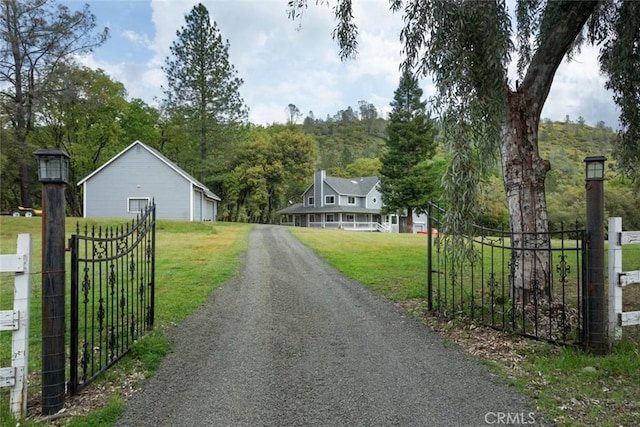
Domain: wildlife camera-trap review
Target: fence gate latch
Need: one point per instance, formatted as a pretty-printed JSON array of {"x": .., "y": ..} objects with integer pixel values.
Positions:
[
  {"x": 620, "y": 276},
  {"x": 9, "y": 320},
  {"x": 7, "y": 377}
]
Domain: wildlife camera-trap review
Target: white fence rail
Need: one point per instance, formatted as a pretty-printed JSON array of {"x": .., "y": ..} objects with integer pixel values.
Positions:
[
  {"x": 17, "y": 321},
  {"x": 619, "y": 279}
]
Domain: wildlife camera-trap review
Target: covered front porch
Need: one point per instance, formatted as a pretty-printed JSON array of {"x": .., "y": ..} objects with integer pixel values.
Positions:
[{"x": 337, "y": 221}]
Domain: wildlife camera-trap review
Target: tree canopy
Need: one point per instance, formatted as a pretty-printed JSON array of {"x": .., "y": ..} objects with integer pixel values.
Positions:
[
  {"x": 36, "y": 38},
  {"x": 270, "y": 169}
]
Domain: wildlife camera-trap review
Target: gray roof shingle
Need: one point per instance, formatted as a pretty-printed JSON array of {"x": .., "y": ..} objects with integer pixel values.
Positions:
[{"x": 352, "y": 186}]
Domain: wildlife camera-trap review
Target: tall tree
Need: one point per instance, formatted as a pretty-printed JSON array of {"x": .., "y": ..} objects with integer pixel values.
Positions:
[
  {"x": 203, "y": 86},
  {"x": 368, "y": 116},
  {"x": 36, "y": 37},
  {"x": 293, "y": 114},
  {"x": 410, "y": 142},
  {"x": 466, "y": 46}
]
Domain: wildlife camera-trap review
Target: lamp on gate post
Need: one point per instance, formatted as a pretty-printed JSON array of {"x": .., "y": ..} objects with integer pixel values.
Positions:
[
  {"x": 594, "y": 306},
  {"x": 53, "y": 173}
]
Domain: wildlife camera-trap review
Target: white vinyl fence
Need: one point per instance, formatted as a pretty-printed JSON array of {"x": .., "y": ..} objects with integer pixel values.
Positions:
[
  {"x": 618, "y": 279},
  {"x": 17, "y": 321}
]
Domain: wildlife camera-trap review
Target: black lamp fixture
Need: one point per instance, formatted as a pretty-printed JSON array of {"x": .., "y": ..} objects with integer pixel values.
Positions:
[
  {"x": 594, "y": 168},
  {"x": 53, "y": 165}
]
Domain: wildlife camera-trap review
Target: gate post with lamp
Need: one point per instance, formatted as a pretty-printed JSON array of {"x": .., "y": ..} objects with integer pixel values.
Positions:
[
  {"x": 53, "y": 173},
  {"x": 594, "y": 307}
]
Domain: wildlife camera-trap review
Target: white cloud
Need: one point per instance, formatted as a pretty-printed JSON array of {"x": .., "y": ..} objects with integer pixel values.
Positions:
[
  {"x": 136, "y": 38},
  {"x": 578, "y": 90},
  {"x": 283, "y": 61}
]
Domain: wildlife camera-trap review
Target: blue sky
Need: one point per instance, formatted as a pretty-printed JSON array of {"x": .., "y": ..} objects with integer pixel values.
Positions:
[{"x": 284, "y": 62}]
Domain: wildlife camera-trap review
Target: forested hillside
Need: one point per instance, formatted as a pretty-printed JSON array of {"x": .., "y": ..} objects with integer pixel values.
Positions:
[
  {"x": 566, "y": 145},
  {"x": 350, "y": 146},
  {"x": 346, "y": 137}
]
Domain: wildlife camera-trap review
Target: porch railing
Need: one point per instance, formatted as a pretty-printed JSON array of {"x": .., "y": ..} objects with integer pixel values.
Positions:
[{"x": 346, "y": 225}]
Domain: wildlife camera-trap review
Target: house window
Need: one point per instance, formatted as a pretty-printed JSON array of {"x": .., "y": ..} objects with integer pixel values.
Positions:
[
  {"x": 330, "y": 218},
  {"x": 375, "y": 200},
  {"x": 312, "y": 218},
  {"x": 351, "y": 200},
  {"x": 351, "y": 218},
  {"x": 329, "y": 200},
  {"x": 310, "y": 201},
  {"x": 137, "y": 204}
]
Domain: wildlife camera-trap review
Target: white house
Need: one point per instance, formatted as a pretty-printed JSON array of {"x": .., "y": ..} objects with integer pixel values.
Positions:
[{"x": 136, "y": 176}]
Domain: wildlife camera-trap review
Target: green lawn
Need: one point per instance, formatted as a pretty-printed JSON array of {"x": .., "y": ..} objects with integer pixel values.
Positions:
[{"x": 393, "y": 265}]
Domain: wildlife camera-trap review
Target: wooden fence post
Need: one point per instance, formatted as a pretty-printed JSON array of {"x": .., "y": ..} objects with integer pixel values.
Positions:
[
  {"x": 615, "y": 268},
  {"x": 619, "y": 279},
  {"x": 17, "y": 320}
]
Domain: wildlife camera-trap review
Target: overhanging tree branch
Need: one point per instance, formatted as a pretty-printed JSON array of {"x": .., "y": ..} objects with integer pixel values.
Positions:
[{"x": 568, "y": 19}]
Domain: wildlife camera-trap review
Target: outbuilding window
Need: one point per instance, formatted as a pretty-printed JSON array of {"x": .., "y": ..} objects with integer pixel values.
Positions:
[{"x": 137, "y": 204}]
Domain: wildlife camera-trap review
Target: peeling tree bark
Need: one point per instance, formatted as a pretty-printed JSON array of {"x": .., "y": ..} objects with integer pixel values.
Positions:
[{"x": 524, "y": 173}]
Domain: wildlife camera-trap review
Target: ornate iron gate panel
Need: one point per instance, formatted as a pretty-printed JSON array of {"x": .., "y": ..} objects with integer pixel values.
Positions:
[
  {"x": 112, "y": 294},
  {"x": 477, "y": 281}
]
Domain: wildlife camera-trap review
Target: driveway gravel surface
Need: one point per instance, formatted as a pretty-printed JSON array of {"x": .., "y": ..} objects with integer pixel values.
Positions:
[{"x": 291, "y": 342}]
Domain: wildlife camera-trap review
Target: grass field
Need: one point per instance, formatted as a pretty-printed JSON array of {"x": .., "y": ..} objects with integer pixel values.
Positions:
[{"x": 194, "y": 258}]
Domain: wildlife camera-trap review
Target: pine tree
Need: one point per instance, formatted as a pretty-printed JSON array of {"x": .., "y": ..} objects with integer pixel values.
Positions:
[
  {"x": 410, "y": 143},
  {"x": 203, "y": 86}
]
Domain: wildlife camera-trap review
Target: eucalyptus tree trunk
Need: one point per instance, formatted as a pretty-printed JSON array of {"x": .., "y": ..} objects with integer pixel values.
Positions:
[{"x": 524, "y": 173}]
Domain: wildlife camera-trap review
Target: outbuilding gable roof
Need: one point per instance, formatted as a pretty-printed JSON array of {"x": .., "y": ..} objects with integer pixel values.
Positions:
[{"x": 162, "y": 158}]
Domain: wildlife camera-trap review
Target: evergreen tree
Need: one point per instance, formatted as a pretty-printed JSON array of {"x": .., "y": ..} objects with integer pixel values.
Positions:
[
  {"x": 203, "y": 86},
  {"x": 410, "y": 143}
]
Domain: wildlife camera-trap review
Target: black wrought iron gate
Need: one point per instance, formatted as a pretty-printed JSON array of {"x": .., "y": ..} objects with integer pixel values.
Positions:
[
  {"x": 112, "y": 294},
  {"x": 478, "y": 286}
]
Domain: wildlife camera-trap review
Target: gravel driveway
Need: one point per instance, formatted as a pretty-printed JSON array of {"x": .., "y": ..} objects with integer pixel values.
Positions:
[{"x": 290, "y": 342}]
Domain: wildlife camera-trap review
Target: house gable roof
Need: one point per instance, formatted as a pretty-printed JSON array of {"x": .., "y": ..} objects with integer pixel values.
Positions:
[
  {"x": 163, "y": 159},
  {"x": 358, "y": 187},
  {"x": 352, "y": 186}
]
